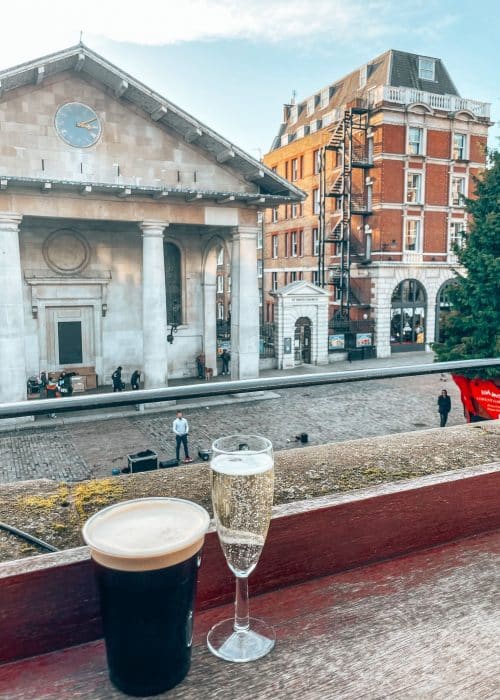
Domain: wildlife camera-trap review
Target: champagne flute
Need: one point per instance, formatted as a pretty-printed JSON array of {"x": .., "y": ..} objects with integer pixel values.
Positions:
[{"x": 242, "y": 473}]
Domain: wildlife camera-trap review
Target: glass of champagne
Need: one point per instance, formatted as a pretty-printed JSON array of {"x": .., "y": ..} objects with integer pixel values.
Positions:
[{"x": 242, "y": 472}]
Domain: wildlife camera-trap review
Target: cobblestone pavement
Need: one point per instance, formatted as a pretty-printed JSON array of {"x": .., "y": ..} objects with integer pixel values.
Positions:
[{"x": 327, "y": 413}]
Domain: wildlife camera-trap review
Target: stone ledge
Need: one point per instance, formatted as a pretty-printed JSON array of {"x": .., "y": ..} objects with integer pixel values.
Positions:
[{"x": 54, "y": 511}]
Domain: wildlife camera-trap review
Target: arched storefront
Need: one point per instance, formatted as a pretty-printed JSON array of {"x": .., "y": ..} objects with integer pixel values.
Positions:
[
  {"x": 302, "y": 344},
  {"x": 443, "y": 307},
  {"x": 408, "y": 314}
]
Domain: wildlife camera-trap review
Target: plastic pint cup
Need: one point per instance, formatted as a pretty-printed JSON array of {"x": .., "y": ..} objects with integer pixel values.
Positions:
[{"x": 146, "y": 555}]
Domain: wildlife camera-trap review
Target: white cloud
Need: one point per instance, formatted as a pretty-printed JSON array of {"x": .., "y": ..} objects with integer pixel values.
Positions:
[{"x": 32, "y": 28}]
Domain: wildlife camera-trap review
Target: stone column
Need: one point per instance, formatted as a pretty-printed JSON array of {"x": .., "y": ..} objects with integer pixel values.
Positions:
[
  {"x": 244, "y": 304},
  {"x": 13, "y": 386},
  {"x": 209, "y": 323},
  {"x": 154, "y": 305}
]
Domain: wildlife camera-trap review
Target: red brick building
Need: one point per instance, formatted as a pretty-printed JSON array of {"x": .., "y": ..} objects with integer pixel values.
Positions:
[{"x": 386, "y": 155}]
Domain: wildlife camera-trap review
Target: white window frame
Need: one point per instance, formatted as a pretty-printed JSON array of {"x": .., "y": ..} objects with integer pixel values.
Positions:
[
  {"x": 325, "y": 97},
  {"x": 294, "y": 211},
  {"x": 220, "y": 284},
  {"x": 315, "y": 200},
  {"x": 295, "y": 169},
  {"x": 315, "y": 277},
  {"x": 294, "y": 113},
  {"x": 220, "y": 258},
  {"x": 415, "y": 224},
  {"x": 459, "y": 152},
  {"x": 311, "y": 104},
  {"x": 274, "y": 281},
  {"x": 293, "y": 244},
  {"x": 315, "y": 241},
  {"x": 316, "y": 160},
  {"x": 220, "y": 311},
  {"x": 274, "y": 214},
  {"x": 456, "y": 234},
  {"x": 293, "y": 275},
  {"x": 458, "y": 200},
  {"x": 259, "y": 268},
  {"x": 427, "y": 69},
  {"x": 275, "y": 245},
  {"x": 259, "y": 238},
  {"x": 412, "y": 189},
  {"x": 421, "y": 141}
]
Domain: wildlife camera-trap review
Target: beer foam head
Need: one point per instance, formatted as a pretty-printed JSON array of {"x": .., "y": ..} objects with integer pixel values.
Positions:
[
  {"x": 242, "y": 463},
  {"x": 146, "y": 533}
]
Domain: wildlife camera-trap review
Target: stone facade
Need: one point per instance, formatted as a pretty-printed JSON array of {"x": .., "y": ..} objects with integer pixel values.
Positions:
[{"x": 86, "y": 232}]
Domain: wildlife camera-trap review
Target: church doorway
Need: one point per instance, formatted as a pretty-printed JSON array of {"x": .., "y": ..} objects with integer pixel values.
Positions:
[
  {"x": 70, "y": 337},
  {"x": 302, "y": 344}
]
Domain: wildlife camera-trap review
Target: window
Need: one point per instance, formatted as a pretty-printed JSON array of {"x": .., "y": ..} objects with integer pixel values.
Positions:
[
  {"x": 220, "y": 257},
  {"x": 316, "y": 163},
  {"x": 274, "y": 281},
  {"x": 301, "y": 167},
  {"x": 415, "y": 140},
  {"x": 220, "y": 311},
  {"x": 301, "y": 242},
  {"x": 220, "y": 284},
  {"x": 286, "y": 245},
  {"x": 259, "y": 238},
  {"x": 412, "y": 235},
  {"x": 315, "y": 241},
  {"x": 295, "y": 169},
  {"x": 274, "y": 215},
  {"x": 275, "y": 240},
  {"x": 459, "y": 141},
  {"x": 293, "y": 276},
  {"x": 294, "y": 211},
  {"x": 315, "y": 194},
  {"x": 293, "y": 244},
  {"x": 294, "y": 113},
  {"x": 457, "y": 191},
  {"x": 426, "y": 68},
  {"x": 310, "y": 105},
  {"x": 456, "y": 235},
  {"x": 286, "y": 278},
  {"x": 414, "y": 188},
  {"x": 315, "y": 277},
  {"x": 286, "y": 170},
  {"x": 363, "y": 76},
  {"x": 173, "y": 284},
  {"x": 325, "y": 97},
  {"x": 259, "y": 268}
]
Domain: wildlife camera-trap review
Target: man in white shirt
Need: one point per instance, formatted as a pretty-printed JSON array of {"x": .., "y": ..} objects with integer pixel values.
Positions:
[{"x": 181, "y": 430}]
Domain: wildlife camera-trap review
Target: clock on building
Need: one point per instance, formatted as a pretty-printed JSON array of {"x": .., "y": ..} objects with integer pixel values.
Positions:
[{"x": 77, "y": 124}]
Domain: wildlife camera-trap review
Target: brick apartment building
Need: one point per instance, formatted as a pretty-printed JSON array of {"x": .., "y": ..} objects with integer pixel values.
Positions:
[{"x": 386, "y": 155}]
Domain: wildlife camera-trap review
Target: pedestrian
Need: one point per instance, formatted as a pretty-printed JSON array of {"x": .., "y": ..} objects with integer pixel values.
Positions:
[
  {"x": 51, "y": 391},
  {"x": 135, "y": 380},
  {"x": 64, "y": 384},
  {"x": 116, "y": 378},
  {"x": 444, "y": 407},
  {"x": 200, "y": 365},
  {"x": 181, "y": 430},
  {"x": 225, "y": 357},
  {"x": 43, "y": 383}
]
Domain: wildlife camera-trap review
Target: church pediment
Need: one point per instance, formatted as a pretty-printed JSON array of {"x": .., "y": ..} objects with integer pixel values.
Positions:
[
  {"x": 79, "y": 118},
  {"x": 301, "y": 289}
]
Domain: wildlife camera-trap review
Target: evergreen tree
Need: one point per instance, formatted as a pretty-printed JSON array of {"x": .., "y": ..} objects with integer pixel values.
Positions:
[{"x": 472, "y": 327}]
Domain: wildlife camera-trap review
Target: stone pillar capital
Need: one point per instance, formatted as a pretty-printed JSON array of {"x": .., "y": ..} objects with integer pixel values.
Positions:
[
  {"x": 153, "y": 227},
  {"x": 10, "y": 219},
  {"x": 245, "y": 232}
]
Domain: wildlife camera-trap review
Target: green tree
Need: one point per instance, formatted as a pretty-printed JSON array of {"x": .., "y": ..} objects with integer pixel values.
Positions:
[{"x": 472, "y": 327}]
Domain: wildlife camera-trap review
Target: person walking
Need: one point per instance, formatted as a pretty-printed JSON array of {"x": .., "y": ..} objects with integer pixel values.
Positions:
[
  {"x": 225, "y": 357},
  {"x": 181, "y": 430},
  {"x": 116, "y": 378},
  {"x": 444, "y": 407},
  {"x": 200, "y": 365},
  {"x": 135, "y": 380}
]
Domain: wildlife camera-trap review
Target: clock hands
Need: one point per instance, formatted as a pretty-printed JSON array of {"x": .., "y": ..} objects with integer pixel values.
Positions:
[{"x": 87, "y": 124}]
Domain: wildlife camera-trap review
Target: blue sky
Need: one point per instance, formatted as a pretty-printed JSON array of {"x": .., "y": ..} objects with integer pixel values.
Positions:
[{"x": 233, "y": 64}]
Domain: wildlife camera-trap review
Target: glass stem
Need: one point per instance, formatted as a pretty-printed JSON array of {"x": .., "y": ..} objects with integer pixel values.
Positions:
[{"x": 241, "y": 614}]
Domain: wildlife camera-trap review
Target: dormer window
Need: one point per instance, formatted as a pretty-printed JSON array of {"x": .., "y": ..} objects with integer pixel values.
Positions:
[
  {"x": 426, "y": 68},
  {"x": 363, "y": 76},
  {"x": 294, "y": 113},
  {"x": 310, "y": 106},
  {"x": 325, "y": 97}
]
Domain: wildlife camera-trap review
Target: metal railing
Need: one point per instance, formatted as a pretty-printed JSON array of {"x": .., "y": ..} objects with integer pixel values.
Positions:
[{"x": 192, "y": 391}]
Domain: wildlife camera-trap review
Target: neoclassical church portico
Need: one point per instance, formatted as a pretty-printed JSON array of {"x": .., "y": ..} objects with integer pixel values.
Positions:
[{"x": 114, "y": 208}]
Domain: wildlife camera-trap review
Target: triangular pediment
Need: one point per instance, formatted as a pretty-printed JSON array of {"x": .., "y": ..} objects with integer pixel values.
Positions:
[
  {"x": 136, "y": 122},
  {"x": 301, "y": 288}
]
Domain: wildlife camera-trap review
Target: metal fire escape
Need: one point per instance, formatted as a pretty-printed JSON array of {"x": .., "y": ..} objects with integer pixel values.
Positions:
[{"x": 349, "y": 140}]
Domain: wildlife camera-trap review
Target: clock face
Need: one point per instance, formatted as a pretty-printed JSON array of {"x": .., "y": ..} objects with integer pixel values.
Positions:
[{"x": 78, "y": 125}]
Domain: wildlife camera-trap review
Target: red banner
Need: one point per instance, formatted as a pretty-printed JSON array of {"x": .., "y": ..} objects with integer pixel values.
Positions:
[{"x": 480, "y": 397}]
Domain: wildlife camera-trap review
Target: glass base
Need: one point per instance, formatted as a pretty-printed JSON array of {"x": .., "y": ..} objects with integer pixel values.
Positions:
[{"x": 242, "y": 646}]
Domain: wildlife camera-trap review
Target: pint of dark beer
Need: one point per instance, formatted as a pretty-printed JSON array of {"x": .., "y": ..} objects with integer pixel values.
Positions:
[{"x": 146, "y": 554}]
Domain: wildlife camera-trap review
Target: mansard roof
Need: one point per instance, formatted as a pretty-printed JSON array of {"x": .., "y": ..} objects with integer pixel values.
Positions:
[
  {"x": 86, "y": 62},
  {"x": 392, "y": 69}
]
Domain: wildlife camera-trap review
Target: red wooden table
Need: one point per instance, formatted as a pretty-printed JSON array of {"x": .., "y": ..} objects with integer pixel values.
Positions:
[{"x": 391, "y": 591}]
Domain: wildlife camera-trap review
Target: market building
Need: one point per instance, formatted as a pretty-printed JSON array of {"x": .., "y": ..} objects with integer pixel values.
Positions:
[
  {"x": 117, "y": 209},
  {"x": 386, "y": 155}
]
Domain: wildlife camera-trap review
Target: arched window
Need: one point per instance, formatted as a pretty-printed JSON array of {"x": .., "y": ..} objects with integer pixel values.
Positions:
[
  {"x": 443, "y": 307},
  {"x": 173, "y": 283},
  {"x": 409, "y": 307}
]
